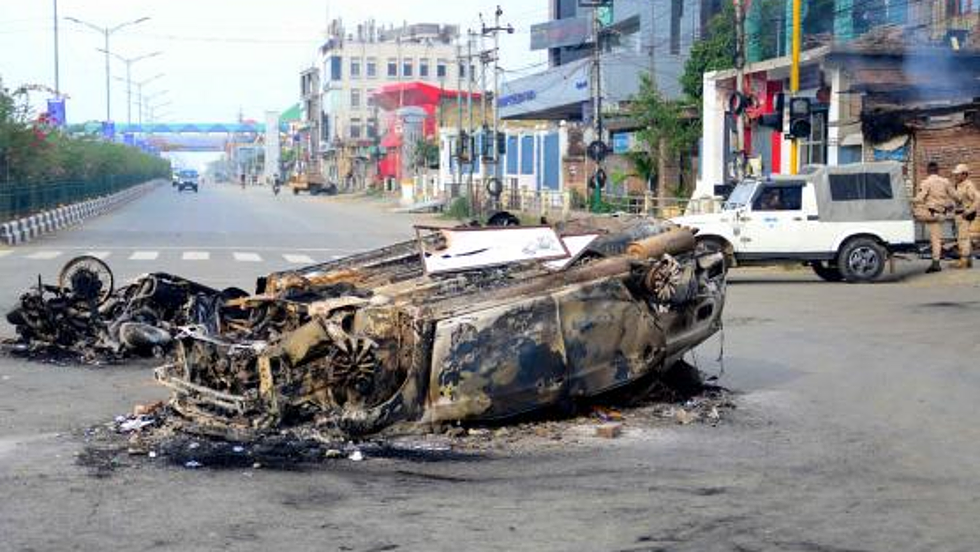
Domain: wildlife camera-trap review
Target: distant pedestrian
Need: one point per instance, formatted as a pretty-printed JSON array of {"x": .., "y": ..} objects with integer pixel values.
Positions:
[
  {"x": 967, "y": 209},
  {"x": 936, "y": 199}
]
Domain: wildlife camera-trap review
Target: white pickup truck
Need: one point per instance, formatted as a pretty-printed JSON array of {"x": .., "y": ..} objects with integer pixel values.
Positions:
[{"x": 842, "y": 221}]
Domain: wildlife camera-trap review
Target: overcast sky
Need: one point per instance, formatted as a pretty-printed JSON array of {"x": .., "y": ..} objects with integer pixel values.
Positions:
[{"x": 219, "y": 56}]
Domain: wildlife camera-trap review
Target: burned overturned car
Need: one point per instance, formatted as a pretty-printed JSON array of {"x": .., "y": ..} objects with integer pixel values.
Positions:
[
  {"x": 459, "y": 325},
  {"x": 463, "y": 324}
]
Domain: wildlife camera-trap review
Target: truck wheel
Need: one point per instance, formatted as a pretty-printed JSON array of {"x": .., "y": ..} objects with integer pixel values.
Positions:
[
  {"x": 295, "y": 191},
  {"x": 827, "y": 271},
  {"x": 862, "y": 260}
]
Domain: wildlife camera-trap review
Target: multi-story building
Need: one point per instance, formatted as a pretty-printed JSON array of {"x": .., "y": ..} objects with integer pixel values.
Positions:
[
  {"x": 358, "y": 62},
  {"x": 884, "y": 79},
  {"x": 644, "y": 36}
]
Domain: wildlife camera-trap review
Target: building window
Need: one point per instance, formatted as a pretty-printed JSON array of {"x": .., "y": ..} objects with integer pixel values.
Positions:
[
  {"x": 392, "y": 67},
  {"x": 336, "y": 69},
  {"x": 407, "y": 68},
  {"x": 372, "y": 128},
  {"x": 371, "y": 101},
  {"x": 355, "y": 98},
  {"x": 473, "y": 71},
  {"x": 355, "y": 129},
  {"x": 462, "y": 70},
  {"x": 355, "y": 68},
  {"x": 372, "y": 68},
  {"x": 424, "y": 68},
  {"x": 441, "y": 68}
]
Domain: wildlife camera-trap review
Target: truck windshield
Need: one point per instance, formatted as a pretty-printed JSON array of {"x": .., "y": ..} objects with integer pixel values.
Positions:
[{"x": 741, "y": 195}]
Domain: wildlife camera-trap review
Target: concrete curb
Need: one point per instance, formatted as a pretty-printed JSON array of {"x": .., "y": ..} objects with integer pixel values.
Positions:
[{"x": 26, "y": 229}]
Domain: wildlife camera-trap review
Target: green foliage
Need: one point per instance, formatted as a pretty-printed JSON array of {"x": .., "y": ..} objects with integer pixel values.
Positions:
[
  {"x": 459, "y": 209},
  {"x": 33, "y": 152},
  {"x": 427, "y": 154},
  {"x": 713, "y": 52},
  {"x": 578, "y": 200},
  {"x": 644, "y": 165},
  {"x": 665, "y": 126}
]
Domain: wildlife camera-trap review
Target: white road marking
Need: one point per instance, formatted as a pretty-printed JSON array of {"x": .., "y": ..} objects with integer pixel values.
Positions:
[
  {"x": 144, "y": 255},
  {"x": 103, "y": 255},
  {"x": 195, "y": 256},
  {"x": 298, "y": 259},
  {"x": 247, "y": 257},
  {"x": 5, "y": 253},
  {"x": 44, "y": 255},
  {"x": 335, "y": 257}
]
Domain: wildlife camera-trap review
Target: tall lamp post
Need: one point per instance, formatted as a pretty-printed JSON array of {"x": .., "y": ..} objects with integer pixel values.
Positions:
[
  {"x": 146, "y": 107},
  {"x": 106, "y": 32},
  {"x": 139, "y": 96},
  {"x": 129, "y": 79}
]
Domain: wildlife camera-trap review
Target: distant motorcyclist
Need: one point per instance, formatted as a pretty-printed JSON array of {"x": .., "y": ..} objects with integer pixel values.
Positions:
[{"x": 276, "y": 185}]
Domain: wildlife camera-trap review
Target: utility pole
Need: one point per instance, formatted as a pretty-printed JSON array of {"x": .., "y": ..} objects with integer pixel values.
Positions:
[
  {"x": 794, "y": 81},
  {"x": 57, "y": 72},
  {"x": 599, "y": 175},
  {"x": 459, "y": 115},
  {"x": 739, "y": 87},
  {"x": 469, "y": 111},
  {"x": 495, "y": 147}
]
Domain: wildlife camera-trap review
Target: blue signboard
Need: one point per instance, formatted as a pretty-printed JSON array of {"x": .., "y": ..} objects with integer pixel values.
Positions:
[
  {"x": 56, "y": 112},
  {"x": 108, "y": 130}
]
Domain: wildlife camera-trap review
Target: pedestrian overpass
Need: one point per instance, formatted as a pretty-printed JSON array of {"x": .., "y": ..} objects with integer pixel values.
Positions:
[{"x": 191, "y": 137}]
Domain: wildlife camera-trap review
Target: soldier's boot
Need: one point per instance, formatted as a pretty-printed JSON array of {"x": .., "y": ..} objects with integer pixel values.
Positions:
[
  {"x": 961, "y": 263},
  {"x": 934, "y": 267}
]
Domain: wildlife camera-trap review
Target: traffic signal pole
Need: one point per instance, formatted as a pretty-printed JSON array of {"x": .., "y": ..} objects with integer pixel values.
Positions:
[{"x": 794, "y": 82}]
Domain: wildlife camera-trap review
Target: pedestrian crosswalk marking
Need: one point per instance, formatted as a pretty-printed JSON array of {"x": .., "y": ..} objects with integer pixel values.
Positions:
[
  {"x": 298, "y": 259},
  {"x": 44, "y": 255},
  {"x": 195, "y": 256},
  {"x": 103, "y": 255},
  {"x": 247, "y": 257},
  {"x": 144, "y": 255}
]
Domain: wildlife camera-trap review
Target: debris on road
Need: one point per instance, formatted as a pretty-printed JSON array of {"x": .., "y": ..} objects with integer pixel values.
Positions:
[
  {"x": 459, "y": 326},
  {"x": 84, "y": 318}
]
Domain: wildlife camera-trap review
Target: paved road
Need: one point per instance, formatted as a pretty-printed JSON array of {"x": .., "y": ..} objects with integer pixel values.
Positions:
[
  {"x": 224, "y": 236},
  {"x": 856, "y": 430}
]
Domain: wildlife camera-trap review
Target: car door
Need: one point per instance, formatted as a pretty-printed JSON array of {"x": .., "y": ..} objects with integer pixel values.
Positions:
[{"x": 775, "y": 225}]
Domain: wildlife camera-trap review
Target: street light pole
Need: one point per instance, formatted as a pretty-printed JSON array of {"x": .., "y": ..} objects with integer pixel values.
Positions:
[
  {"x": 139, "y": 97},
  {"x": 57, "y": 72},
  {"x": 105, "y": 32},
  {"x": 129, "y": 81}
]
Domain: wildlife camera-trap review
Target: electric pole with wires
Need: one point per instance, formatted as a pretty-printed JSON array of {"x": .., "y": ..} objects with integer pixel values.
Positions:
[
  {"x": 597, "y": 149},
  {"x": 494, "y": 184}
]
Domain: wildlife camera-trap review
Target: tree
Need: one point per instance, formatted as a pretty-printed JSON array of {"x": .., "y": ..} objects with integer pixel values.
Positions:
[
  {"x": 713, "y": 52},
  {"x": 669, "y": 128}
]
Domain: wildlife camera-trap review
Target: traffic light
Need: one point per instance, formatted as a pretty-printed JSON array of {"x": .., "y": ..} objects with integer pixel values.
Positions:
[
  {"x": 463, "y": 147},
  {"x": 799, "y": 118}
]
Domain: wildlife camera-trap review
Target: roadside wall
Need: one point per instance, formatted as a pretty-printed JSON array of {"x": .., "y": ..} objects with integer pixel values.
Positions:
[{"x": 46, "y": 222}]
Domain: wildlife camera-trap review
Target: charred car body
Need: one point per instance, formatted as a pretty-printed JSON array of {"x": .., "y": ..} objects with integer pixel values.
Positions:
[
  {"x": 459, "y": 325},
  {"x": 471, "y": 325}
]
